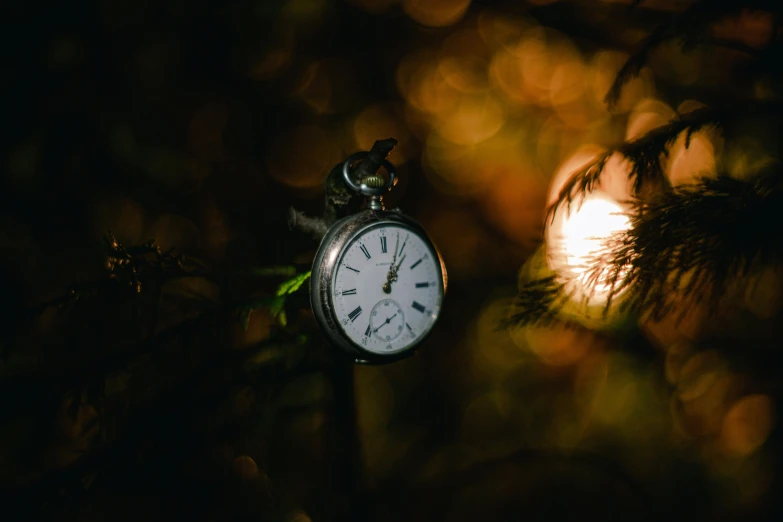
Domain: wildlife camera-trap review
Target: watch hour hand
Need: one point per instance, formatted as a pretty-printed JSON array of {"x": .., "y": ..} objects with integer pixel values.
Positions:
[{"x": 391, "y": 275}]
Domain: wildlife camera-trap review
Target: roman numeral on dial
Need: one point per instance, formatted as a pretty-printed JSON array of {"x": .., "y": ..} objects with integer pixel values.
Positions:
[
  {"x": 365, "y": 251},
  {"x": 383, "y": 244},
  {"x": 418, "y": 306},
  {"x": 367, "y": 331},
  {"x": 356, "y": 312},
  {"x": 418, "y": 285},
  {"x": 352, "y": 291}
]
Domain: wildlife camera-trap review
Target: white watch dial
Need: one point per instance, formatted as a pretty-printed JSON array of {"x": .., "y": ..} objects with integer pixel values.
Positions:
[{"x": 387, "y": 289}]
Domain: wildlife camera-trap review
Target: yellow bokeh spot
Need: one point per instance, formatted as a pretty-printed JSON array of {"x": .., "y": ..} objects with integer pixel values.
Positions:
[
  {"x": 553, "y": 142},
  {"x": 709, "y": 408},
  {"x": 463, "y": 62},
  {"x": 382, "y": 121},
  {"x": 686, "y": 164},
  {"x": 690, "y": 106},
  {"x": 315, "y": 88},
  {"x": 411, "y": 67},
  {"x": 422, "y": 84},
  {"x": 501, "y": 30},
  {"x": 436, "y": 13},
  {"x": 543, "y": 68},
  {"x": 245, "y": 467},
  {"x": 685, "y": 323},
  {"x": 747, "y": 424},
  {"x": 676, "y": 356},
  {"x": 604, "y": 67},
  {"x": 567, "y": 82},
  {"x": 617, "y": 405},
  {"x": 698, "y": 374},
  {"x": 474, "y": 119},
  {"x": 466, "y": 74},
  {"x": 558, "y": 346},
  {"x": 505, "y": 73},
  {"x": 647, "y": 115}
]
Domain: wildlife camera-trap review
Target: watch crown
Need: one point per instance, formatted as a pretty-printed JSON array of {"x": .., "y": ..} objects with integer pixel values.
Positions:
[{"x": 374, "y": 181}]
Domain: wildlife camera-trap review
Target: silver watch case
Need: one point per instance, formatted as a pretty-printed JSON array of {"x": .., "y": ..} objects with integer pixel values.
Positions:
[{"x": 321, "y": 294}]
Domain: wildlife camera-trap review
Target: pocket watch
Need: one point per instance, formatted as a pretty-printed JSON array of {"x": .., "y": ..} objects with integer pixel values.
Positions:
[{"x": 378, "y": 281}]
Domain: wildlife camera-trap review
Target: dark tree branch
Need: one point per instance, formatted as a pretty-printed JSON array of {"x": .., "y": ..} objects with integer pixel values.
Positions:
[
  {"x": 692, "y": 241},
  {"x": 691, "y": 28},
  {"x": 644, "y": 153},
  {"x": 537, "y": 303}
]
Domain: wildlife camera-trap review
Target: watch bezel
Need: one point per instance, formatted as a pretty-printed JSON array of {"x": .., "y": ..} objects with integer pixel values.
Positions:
[{"x": 337, "y": 238}]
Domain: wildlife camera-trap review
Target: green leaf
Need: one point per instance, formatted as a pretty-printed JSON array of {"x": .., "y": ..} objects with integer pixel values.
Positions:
[
  {"x": 276, "y": 304},
  {"x": 271, "y": 271},
  {"x": 293, "y": 284},
  {"x": 276, "y": 308}
]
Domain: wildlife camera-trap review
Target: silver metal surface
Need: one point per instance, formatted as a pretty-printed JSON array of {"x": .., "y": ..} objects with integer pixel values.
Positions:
[
  {"x": 373, "y": 194},
  {"x": 325, "y": 263}
]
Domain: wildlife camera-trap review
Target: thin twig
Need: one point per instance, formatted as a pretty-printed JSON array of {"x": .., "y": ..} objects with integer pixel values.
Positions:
[{"x": 644, "y": 153}]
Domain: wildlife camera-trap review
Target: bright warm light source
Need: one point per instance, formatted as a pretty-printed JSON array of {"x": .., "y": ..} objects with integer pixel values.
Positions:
[{"x": 578, "y": 235}]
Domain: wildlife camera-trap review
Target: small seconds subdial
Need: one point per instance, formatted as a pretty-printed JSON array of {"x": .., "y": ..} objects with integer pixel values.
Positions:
[
  {"x": 387, "y": 288},
  {"x": 387, "y": 320}
]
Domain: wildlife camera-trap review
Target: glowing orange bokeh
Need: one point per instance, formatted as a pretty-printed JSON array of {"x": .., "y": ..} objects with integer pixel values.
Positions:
[
  {"x": 748, "y": 424},
  {"x": 436, "y": 13}
]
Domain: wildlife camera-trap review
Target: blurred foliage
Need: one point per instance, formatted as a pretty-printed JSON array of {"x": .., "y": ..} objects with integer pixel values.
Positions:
[{"x": 208, "y": 394}]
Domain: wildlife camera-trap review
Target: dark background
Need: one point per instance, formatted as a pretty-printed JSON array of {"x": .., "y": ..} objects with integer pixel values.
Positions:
[{"x": 199, "y": 124}]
